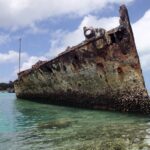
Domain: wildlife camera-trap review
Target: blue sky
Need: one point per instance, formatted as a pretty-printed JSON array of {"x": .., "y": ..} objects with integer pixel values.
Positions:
[{"x": 47, "y": 27}]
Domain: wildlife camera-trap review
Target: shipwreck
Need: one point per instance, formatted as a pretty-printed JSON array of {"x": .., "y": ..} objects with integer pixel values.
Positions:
[{"x": 103, "y": 72}]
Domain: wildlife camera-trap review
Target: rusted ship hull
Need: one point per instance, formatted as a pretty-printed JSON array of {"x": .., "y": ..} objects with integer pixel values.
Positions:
[{"x": 103, "y": 72}]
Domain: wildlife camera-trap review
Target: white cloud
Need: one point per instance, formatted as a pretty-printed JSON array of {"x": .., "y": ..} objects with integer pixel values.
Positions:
[
  {"x": 26, "y": 60},
  {"x": 145, "y": 61},
  {"x": 34, "y": 29},
  {"x": 142, "y": 37},
  {"x": 11, "y": 57},
  {"x": 77, "y": 36},
  {"x": 26, "y": 64},
  {"x": 23, "y": 15},
  {"x": 142, "y": 33},
  {"x": 20, "y": 13},
  {"x": 62, "y": 39},
  {"x": 31, "y": 61}
]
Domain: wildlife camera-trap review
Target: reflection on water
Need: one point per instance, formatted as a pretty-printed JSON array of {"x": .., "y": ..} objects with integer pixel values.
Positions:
[{"x": 27, "y": 125}]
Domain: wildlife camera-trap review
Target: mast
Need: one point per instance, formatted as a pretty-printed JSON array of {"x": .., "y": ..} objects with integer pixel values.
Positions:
[{"x": 20, "y": 40}]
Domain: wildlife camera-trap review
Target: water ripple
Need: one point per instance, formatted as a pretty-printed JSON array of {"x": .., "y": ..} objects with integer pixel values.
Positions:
[{"x": 26, "y": 125}]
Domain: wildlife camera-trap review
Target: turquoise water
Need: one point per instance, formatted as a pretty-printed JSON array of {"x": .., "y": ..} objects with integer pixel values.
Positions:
[{"x": 27, "y": 125}]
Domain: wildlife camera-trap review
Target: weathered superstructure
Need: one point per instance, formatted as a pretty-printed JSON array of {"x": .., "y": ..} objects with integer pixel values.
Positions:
[{"x": 103, "y": 72}]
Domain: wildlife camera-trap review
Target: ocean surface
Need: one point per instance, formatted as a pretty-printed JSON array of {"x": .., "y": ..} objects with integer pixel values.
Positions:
[{"x": 27, "y": 125}]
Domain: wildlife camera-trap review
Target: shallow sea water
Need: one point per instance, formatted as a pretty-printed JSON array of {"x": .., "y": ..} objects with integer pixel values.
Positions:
[{"x": 27, "y": 125}]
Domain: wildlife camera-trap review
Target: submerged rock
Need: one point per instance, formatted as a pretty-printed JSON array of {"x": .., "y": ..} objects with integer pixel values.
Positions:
[
  {"x": 116, "y": 144},
  {"x": 58, "y": 124}
]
